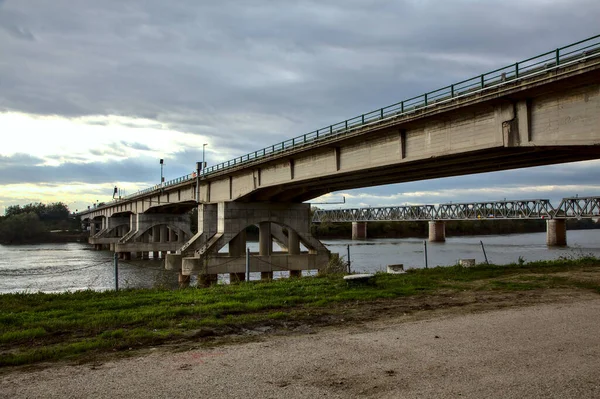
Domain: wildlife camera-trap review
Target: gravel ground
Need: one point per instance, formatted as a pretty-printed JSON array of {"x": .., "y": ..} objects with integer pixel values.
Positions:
[{"x": 542, "y": 351}]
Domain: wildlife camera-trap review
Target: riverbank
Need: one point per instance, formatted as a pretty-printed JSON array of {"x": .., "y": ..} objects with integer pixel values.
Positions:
[
  {"x": 500, "y": 345},
  {"x": 88, "y": 325}
]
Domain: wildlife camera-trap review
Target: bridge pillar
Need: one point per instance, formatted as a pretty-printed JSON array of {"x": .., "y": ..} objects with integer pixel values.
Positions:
[
  {"x": 437, "y": 231},
  {"x": 265, "y": 246},
  {"x": 237, "y": 247},
  {"x": 92, "y": 228},
  {"x": 294, "y": 249},
  {"x": 556, "y": 232},
  {"x": 201, "y": 253},
  {"x": 359, "y": 230},
  {"x": 163, "y": 233}
]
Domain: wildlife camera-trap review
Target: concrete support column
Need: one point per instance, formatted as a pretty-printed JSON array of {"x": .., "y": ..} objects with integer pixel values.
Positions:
[
  {"x": 359, "y": 230},
  {"x": 237, "y": 247},
  {"x": 156, "y": 234},
  {"x": 437, "y": 231},
  {"x": 293, "y": 242},
  {"x": 556, "y": 232},
  {"x": 265, "y": 245},
  {"x": 163, "y": 233},
  {"x": 163, "y": 254},
  {"x": 92, "y": 228},
  {"x": 294, "y": 249}
]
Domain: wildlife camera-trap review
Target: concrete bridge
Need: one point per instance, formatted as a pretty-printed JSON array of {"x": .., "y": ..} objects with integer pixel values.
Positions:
[
  {"x": 437, "y": 215},
  {"x": 544, "y": 110}
]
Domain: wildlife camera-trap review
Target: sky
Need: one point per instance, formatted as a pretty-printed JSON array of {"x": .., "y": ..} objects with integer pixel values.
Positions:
[{"x": 94, "y": 93}]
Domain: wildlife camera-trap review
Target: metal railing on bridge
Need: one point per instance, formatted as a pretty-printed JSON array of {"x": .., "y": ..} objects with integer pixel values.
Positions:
[
  {"x": 569, "y": 208},
  {"x": 510, "y": 74}
]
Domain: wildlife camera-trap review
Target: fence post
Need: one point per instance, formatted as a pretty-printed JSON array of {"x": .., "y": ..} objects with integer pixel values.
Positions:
[
  {"x": 484, "y": 255},
  {"x": 116, "y": 262},
  {"x": 349, "y": 270}
]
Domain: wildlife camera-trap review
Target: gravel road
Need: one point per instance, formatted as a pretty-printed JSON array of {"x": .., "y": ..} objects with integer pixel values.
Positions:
[{"x": 542, "y": 351}]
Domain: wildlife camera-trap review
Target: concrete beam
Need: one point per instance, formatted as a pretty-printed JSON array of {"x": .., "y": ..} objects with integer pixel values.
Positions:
[{"x": 258, "y": 263}]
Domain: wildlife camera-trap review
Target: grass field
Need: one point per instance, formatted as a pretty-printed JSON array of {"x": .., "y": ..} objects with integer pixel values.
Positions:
[{"x": 46, "y": 327}]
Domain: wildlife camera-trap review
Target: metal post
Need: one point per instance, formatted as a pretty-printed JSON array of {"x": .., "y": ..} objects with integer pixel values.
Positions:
[
  {"x": 349, "y": 270},
  {"x": 425, "y": 252},
  {"x": 198, "y": 181},
  {"x": 116, "y": 261},
  {"x": 203, "y": 159},
  {"x": 484, "y": 255},
  {"x": 161, "y": 172},
  {"x": 247, "y": 264}
]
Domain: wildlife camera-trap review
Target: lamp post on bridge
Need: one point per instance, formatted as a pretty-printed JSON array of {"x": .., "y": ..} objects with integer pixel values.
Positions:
[
  {"x": 203, "y": 158},
  {"x": 199, "y": 169},
  {"x": 162, "y": 179}
]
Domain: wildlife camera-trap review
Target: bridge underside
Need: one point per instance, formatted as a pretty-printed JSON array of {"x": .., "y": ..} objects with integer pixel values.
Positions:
[{"x": 436, "y": 167}]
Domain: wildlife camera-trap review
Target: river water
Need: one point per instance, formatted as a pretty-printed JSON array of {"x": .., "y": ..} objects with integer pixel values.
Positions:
[{"x": 74, "y": 266}]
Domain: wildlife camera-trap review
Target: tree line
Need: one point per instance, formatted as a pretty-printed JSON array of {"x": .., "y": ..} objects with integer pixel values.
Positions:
[{"x": 33, "y": 222}]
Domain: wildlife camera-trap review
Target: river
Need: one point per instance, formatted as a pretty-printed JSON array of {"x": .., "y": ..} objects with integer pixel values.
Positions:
[{"x": 75, "y": 266}]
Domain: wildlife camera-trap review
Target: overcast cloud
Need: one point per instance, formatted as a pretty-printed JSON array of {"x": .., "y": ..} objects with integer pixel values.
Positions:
[{"x": 93, "y": 93}]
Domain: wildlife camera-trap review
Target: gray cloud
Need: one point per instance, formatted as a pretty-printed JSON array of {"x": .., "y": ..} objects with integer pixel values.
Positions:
[
  {"x": 250, "y": 74},
  {"x": 18, "y": 160}
]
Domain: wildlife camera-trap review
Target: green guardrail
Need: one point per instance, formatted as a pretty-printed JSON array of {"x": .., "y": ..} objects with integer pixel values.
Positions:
[{"x": 540, "y": 64}]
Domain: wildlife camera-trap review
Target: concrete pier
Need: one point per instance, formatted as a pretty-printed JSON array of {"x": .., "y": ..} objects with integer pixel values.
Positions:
[
  {"x": 359, "y": 230},
  {"x": 556, "y": 232},
  {"x": 220, "y": 224},
  {"x": 265, "y": 246},
  {"x": 237, "y": 247},
  {"x": 294, "y": 249},
  {"x": 437, "y": 231}
]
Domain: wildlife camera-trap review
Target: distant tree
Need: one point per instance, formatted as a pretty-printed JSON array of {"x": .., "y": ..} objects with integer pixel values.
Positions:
[{"x": 20, "y": 228}]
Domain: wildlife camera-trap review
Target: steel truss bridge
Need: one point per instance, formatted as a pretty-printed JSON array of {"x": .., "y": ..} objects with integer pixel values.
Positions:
[{"x": 569, "y": 208}]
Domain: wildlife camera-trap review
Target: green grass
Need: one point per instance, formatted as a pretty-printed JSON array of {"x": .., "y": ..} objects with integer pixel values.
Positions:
[{"x": 40, "y": 327}]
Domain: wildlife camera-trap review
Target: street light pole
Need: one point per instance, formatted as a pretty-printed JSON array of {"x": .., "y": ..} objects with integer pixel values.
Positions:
[
  {"x": 203, "y": 159},
  {"x": 161, "y": 172}
]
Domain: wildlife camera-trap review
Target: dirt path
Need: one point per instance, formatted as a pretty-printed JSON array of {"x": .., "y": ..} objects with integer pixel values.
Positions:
[{"x": 541, "y": 350}]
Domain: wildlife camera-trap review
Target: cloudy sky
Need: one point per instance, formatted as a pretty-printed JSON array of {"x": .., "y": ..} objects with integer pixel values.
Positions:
[{"x": 94, "y": 93}]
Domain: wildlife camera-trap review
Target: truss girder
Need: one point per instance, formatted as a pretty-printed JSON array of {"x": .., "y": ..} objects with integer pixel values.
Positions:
[
  {"x": 570, "y": 208},
  {"x": 578, "y": 208}
]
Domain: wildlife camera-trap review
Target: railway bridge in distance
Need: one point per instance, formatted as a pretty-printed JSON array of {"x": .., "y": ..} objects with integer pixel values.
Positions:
[
  {"x": 438, "y": 215},
  {"x": 540, "y": 111}
]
